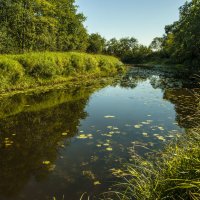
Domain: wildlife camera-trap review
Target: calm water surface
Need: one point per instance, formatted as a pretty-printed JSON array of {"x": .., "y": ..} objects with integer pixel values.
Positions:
[{"x": 69, "y": 141}]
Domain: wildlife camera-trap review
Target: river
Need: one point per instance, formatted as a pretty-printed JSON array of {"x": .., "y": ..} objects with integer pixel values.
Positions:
[{"x": 67, "y": 141}]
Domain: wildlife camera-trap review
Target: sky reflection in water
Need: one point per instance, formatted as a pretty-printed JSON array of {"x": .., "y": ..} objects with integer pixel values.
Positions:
[{"x": 67, "y": 142}]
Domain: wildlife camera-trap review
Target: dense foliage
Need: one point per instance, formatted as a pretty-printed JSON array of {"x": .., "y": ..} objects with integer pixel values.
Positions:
[
  {"x": 171, "y": 174},
  {"x": 181, "y": 43},
  {"x": 34, "y": 69},
  {"x": 27, "y": 25},
  {"x": 128, "y": 50},
  {"x": 96, "y": 43},
  {"x": 41, "y": 25}
]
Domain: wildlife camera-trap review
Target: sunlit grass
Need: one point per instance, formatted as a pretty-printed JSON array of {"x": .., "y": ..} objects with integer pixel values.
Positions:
[
  {"x": 44, "y": 68},
  {"x": 171, "y": 174}
]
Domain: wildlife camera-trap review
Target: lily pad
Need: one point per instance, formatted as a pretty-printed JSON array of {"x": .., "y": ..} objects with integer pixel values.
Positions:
[
  {"x": 109, "y": 116},
  {"x": 138, "y": 126},
  {"x": 109, "y": 149},
  {"x": 145, "y": 134},
  {"x": 46, "y": 162},
  {"x": 97, "y": 183}
]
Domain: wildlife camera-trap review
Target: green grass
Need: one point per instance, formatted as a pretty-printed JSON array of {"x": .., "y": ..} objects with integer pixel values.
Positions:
[
  {"x": 173, "y": 174},
  {"x": 30, "y": 70}
]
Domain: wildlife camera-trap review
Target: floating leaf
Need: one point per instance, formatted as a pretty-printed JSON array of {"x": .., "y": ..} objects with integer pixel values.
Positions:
[
  {"x": 161, "y": 138},
  {"x": 64, "y": 134},
  {"x": 170, "y": 136},
  {"x": 117, "y": 172},
  {"x": 97, "y": 183},
  {"x": 85, "y": 136},
  {"x": 138, "y": 126},
  {"x": 109, "y": 116},
  {"x": 145, "y": 123},
  {"x": 109, "y": 149},
  {"x": 161, "y": 128},
  {"x": 145, "y": 134},
  {"x": 89, "y": 174},
  {"x": 46, "y": 162}
]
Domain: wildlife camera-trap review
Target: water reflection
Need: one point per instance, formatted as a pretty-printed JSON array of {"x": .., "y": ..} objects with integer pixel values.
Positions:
[
  {"x": 70, "y": 141},
  {"x": 32, "y": 131}
]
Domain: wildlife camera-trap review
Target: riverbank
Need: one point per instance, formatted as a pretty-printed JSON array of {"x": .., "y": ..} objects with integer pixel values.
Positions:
[
  {"x": 33, "y": 70},
  {"x": 173, "y": 173}
]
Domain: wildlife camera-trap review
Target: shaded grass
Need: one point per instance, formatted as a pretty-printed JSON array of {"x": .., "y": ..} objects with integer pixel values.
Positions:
[{"x": 48, "y": 68}]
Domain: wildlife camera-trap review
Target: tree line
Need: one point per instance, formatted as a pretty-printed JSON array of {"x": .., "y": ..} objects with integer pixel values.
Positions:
[
  {"x": 181, "y": 41},
  {"x": 39, "y": 25},
  {"x": 179, "y": 45},
  {"x": 56, "y": 25}
]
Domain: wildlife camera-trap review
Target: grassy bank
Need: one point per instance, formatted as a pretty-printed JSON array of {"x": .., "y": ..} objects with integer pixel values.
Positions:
[
  {"x": 170, "y": 174},
  {"x": 30, "y": 70},
  {"x": 173, "y": 174}
]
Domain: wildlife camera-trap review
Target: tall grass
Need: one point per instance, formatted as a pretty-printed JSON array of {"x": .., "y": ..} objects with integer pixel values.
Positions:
[
  {"x": 35, "y": 69},
  {"x": 173, "y": 174}
]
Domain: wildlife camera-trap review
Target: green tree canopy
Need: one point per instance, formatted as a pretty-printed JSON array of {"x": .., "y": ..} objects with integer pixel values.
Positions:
[
  {"x": 96, "y": 43},
  {"x": 182, "y": 39},
  {"x": 31, "y": 25}
]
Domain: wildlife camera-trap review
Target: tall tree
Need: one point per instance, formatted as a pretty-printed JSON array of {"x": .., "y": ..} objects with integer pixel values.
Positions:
[
  {"x": 29, "y": 23},
  {"x": 182, "y": 38},
  {"x": 41, "y": 25},
  {"x": 157, "y": 44},
  {"x": 71, "y": 34},
  {"x": 96, "y": 43}
]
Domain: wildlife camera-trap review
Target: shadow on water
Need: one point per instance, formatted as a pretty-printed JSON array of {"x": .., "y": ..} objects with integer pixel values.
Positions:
[
  {"x": 32, "y": 130},
  {"x": 38, "y": 130}
]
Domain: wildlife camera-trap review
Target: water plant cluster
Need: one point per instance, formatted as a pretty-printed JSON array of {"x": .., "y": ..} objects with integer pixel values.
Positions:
[{"x": 173, "y": 173}]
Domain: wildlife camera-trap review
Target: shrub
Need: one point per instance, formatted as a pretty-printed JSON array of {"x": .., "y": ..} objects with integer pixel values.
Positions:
[
  {"x": 40, "y": 65},
  {"x": 10, "y": 71}
]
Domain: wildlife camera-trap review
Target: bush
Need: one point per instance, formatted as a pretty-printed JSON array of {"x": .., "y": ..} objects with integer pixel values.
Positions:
[
  {"x": 10, "y": 71},
  {"x": 40, "y": 65}
]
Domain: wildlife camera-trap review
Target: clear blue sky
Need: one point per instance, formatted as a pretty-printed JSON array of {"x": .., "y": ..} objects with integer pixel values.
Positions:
[{"x": 142, "y": 19}]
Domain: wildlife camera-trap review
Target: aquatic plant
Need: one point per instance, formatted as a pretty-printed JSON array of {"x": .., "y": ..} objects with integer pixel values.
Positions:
[{"x": 172, "y": 173}]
